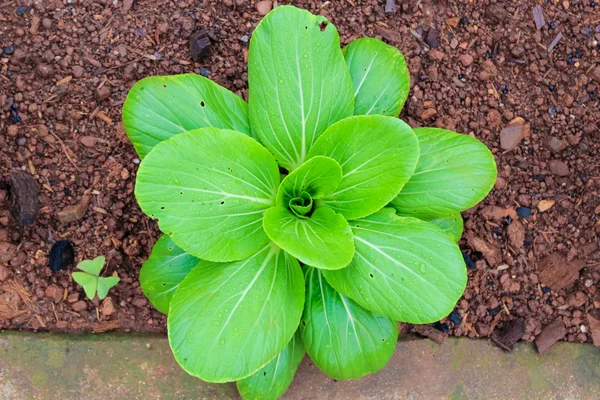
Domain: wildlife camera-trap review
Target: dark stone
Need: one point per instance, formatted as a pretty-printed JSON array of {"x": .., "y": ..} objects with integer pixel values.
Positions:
[
  {"x": 442, "y": 327},
  {"x": 205, "y": 72},
  {"x": 433, "y": 38},
  {"x": 21, "y": 10},
  {"x": 8, "y": 50},
  {"x": 469, "y": 261},
  {"x": 455, "y": 317},
  {"x": 494, "y": 311},
  {"x": 523, "y": 211},
  {"x": 24, "y": 191},
  {"x": 61, "y": 255},
  {"x": 199, "y": 45}
]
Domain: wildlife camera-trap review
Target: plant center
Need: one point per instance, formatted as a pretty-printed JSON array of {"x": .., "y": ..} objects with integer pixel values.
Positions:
[{"x": 302, "y": 205}]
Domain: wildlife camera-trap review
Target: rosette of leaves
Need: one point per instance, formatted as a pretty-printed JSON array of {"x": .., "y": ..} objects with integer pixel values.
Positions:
[{"x": 310, "y": 219}]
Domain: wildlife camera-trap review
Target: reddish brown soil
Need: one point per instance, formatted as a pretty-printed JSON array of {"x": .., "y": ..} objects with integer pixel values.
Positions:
[{"x": 106, "y": 50}]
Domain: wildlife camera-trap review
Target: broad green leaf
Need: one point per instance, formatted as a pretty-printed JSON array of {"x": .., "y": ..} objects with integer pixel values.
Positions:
[
  {"x": 89, "y": 283},
  {"x": 227, "y": 320},
  {"x": 377, "y": 154},
  {"x": 298, "y": 82},
  {"x": 92, "y": 266},
  {"x": 105, "y": 284},
  {"x": 404, "y": 268},
  {"x": 342, "y": 338},
  {"x": 451, "y": 224},
  {"x": 323, "y": 241},
  {"x": 271, "y": 381},
  {"x": 209, "y": 189},
  {"x": 318, "y": 176},
  {"x": 454, "y": 173},
  {"x": 380, "y": 77},
  {"x": 160, "y": 107},
  {"x": 163, "y": 271}
]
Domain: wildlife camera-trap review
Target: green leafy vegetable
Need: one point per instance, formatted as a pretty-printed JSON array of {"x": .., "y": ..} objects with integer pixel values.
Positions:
[
  {"x": 159, "y": 107},
  {"x": 324, "y": 240},
  {"x": 374, "y": 171},
  {"x": 310, "y": 174},
  {"x": 298, "y": 82},
  {"x": 210, "y": 198},
  {"x": 452, "y": 225},
  {"x": 92, "y": 283},
  {"x": 454, "y": 173},
  {"x": 164, "y": 270},
  {"x": 404, "y": 268},
  {"x": 243, "y": 313},
  {"x": 271, "y": 381},
  {"x": 380, "y": 77},
  {"x": 344, "y": 340}
]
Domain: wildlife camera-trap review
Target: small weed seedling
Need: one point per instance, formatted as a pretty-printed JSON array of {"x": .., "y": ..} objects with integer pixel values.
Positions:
[
  {"x": 308, "y": 220},
  {"x": 91, "y": 281}
]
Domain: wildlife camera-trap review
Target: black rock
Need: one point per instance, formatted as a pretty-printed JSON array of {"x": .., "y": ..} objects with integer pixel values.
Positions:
[
  {"x": 21, "y": 10},
  {"x": 199, "y": 45},
  {"x": 545, "y": 289},
  {"x": 494, "y": 311},
  {"x": 24, "y": 191},
  {"x": 469, "y": 261},
  {"x": 523, "y": 211},
  {"x": 433, "y": 38},
  {"x": 441, "y": 327},
  {"x": 8, "y": 50},
  {"x": 61, "y": 255},
  {"x": 205, "y": 72},
  {"x": 464, "y": 20},
  {"x": 455, "y": 317}
]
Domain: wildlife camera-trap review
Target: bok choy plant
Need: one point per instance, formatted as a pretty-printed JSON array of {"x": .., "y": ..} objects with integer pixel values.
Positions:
[{"x": 308, "y": 220}]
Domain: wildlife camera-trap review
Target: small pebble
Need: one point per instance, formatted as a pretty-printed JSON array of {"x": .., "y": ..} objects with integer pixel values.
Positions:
[
  {"x": 8, "y": 50},
  {"x": 205, "y": 72},
  {"x": 455, "y": 317},
  {"x": 552, "y": 25},
  {"x": 61, "y": 255},
  {"x": 21, "y": 10},
  {"x": 494, "y": 311},
  {"x": 552, "y": 111},
  {"x": 441, "y": 327},
  {"x": 21, "y": 141},
  {"x": 245, "y": 39},
  {"x": 464, "y": 20},
  {"x": 469, "y": 261},
  {"x": 523, "y": 211},
  {"x": 552, "y": 88}
]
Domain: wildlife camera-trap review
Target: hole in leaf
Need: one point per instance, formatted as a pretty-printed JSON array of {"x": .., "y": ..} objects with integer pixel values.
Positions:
[
  {"x": 164, "y": 85},
  {"x": 265, "y": 374},
  {"x": 383, "y": 340},
  {"x": 323, "y": 26},
  {"x": 222, "y": 202},
  {"x": 372, "y": 276},
  {"x": 303, "y": 323},
  {"x": 164, "y": 284},
  {"x": 162, "y": 208},
  {"x": 180, "y": 192},
  {"x": 306, "y": 27},
  {"x": 202, "y": 104}
]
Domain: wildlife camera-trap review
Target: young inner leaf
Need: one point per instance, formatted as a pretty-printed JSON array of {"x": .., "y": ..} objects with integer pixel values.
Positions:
[{"x": 302, "y": 206}]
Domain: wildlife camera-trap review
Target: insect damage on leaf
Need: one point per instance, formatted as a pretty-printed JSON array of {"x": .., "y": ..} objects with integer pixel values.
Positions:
[{"x": 312, "y": 199}]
